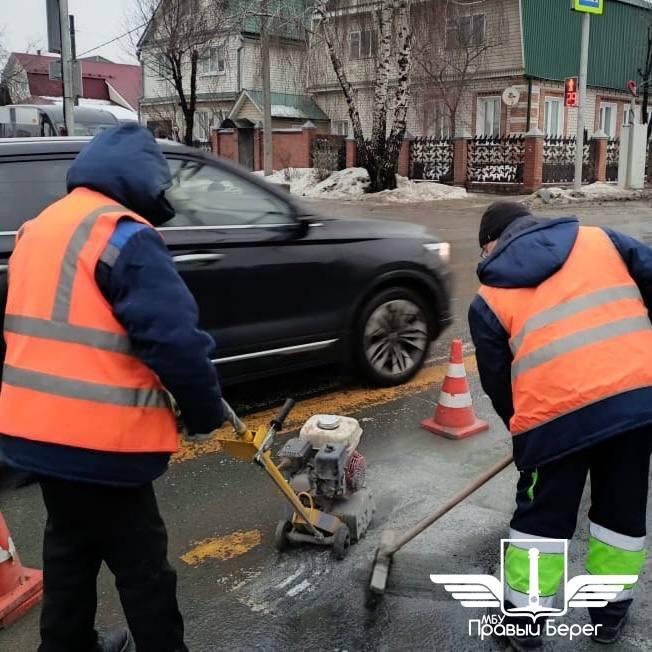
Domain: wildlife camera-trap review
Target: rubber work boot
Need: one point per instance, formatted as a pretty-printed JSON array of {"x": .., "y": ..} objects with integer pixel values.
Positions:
[
  {"x": 115, "y": 640},
  {"x": 609, "y": 634},
  {"x": 521, "y": 643}
]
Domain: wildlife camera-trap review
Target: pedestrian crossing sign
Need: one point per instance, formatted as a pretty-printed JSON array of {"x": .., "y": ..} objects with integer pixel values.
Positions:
[{"x": 589, "y": 6}]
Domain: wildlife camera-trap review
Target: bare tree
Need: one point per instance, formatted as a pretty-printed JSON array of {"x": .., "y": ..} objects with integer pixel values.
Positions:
[
  {"x": 178, "y": 36},
  {"x": 385, "y": 34},
  {"x": 452, "y": 39},
  {"x": 645, "y": 74}
]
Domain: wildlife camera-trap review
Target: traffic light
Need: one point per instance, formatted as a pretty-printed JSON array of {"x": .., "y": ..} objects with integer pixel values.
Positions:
[{"x": 571, "y": 96}]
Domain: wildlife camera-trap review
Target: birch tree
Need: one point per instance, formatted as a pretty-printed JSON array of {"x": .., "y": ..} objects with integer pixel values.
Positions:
[{"x": 390, "y": 25}]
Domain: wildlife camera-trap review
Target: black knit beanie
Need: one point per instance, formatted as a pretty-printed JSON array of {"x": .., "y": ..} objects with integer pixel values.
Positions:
[{"x": 498, "y": 217}]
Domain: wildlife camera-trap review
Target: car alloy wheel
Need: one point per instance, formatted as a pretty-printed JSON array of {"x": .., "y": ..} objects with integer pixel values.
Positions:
[{"x": 395, "y": 337}]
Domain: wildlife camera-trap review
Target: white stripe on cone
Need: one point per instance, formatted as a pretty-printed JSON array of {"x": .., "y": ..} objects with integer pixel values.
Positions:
[
  {"x": 455, "y": 400},
  {"x": 456, "y": 370}
]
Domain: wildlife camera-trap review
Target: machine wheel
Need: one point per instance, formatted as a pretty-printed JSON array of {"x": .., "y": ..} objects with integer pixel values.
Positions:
[
  {"x": 281, "y": 540},
  {"x": 341, "y": 542}
]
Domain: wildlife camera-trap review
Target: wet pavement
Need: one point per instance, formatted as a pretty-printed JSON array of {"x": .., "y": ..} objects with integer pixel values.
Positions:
[{"x": 238, "y": 593}]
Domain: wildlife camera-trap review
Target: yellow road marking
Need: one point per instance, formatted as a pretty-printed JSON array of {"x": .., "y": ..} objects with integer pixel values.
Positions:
[
  {"x": 222, "y": 548},
  {"x": 338, "y": 402}
]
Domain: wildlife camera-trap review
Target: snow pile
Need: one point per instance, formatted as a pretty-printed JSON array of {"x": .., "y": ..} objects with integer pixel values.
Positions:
[
  {"x": 351, "y": 183},
  {"x": 589, "y": 193},
  {"x": 409, "y": 191},
  {"x": 299, "y": 179}
]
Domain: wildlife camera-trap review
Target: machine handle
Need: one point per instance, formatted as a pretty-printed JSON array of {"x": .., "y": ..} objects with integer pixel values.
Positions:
[
  {"x": 282, "y": 414},
  {"x": 233, "y": 419}
]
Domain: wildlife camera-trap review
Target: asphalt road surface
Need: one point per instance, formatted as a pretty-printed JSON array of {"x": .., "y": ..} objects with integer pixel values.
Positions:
[{"x": 238, "y": 593}]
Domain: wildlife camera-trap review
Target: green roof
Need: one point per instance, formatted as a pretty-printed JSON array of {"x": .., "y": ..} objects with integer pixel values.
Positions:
[
  {"x": 551, "y": 37},
  {"x": 286, "y": 105}
]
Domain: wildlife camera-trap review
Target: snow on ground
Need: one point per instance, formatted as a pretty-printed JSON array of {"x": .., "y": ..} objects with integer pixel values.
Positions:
[
  {"x": 352, "y": 184},
  {"x": 592, "y": 192}
]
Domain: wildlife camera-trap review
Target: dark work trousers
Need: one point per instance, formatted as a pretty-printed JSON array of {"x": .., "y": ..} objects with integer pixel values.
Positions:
[
  {"x": 548, "y": 498},
  {"x": 86, "y": 525}
]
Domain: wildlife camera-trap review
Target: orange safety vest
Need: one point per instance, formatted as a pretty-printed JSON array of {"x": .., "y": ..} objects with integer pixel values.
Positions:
[
  {"x": 581, "y": 336},
  {"x": 70, "y": 376}
]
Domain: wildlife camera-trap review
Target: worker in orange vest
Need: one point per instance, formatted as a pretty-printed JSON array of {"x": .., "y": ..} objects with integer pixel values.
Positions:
[
  {"x": 99, "y": 327},
  {"x": 564, "y": 349}
]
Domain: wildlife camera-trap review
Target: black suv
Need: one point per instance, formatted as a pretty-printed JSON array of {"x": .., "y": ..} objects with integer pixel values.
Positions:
[{"x": 295, "y": 289}]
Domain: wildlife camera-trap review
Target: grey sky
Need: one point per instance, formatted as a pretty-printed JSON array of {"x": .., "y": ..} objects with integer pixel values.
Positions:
[{"x": 96, "y": 21}]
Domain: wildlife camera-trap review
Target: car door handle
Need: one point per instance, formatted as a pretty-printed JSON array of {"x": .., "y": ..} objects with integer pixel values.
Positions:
[{"x": 196, "y": 258}]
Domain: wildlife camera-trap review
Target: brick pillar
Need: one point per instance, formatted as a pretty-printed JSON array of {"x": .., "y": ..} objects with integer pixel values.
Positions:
[
  {"x": 460, "y": 158},
  {"x": 351, "y": 154},
  {"x": 258, "y": 148},
  {"x": 215, "y": 142},
  {"x": 404, "y": 157},
  {"x": 533, "y": 165},
  {"x": 599, "y": 141},
  {"x": 308, "y": 133}
]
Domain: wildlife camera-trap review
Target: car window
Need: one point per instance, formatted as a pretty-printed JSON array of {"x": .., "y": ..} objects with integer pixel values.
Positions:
[
  {"x": 27, "y": 187},
  {"x": 206, "y": 195}
]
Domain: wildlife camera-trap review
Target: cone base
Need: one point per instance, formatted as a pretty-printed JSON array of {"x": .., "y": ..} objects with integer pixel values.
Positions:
[
  {"x": 25, "y": 596},
  {"x": 454, "y": 433}
]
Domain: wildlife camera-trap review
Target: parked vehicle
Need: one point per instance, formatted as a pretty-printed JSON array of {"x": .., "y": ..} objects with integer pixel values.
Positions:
[
  {"x": 25, "y": 120},
  {"x": 278, "y": 286}
]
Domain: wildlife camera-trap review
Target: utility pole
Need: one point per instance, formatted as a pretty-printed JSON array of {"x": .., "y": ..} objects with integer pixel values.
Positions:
[
  {"x": 66, "y": 69},
  {"x": 267, "y": 93},
  {"x": 73, "y": 51},
  {"x": 584, "y": 67}
]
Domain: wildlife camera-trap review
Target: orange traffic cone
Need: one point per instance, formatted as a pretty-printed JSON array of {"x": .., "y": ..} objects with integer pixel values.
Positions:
[
  {"x": 20, "y": 588},
  {"x": 454, "y": 416}
]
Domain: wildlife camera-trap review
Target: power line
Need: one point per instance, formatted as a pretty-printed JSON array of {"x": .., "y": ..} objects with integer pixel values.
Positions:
[{"x": 117, "y": 38}]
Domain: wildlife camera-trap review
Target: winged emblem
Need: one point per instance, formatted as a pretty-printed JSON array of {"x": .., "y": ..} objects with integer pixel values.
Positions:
[
  {"x": 596, "y": 590},
  {"x": 472, "y": 590}
]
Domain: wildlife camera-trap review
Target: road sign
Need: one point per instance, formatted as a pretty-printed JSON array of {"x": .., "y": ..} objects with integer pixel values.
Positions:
[
  {"x": 511, "y": 96},
  {"x": 54, "y": 31},
  {"x": 571, "y": 92},
  {"x": 588, "y": 6}
]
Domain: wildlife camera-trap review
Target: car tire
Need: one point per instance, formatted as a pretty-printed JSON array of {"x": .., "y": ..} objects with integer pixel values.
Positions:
[{"x": 392, "y": 336}]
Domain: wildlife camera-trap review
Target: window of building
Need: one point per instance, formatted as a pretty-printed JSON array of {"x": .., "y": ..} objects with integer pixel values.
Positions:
[
  {"x": 361, "y": 44},
  {"x": 627, "y": 111},
  {"x": 160, "y": 66},
  {"x": 488, "y": 118},
  {"x": 553, "y": 117},
  {"x": 466, "y": 32},
  {"x": 437, "y": 120},
  {"x": 213, "y": 62},
  {"x": 608, "y": 113},
  {"x": 340, "y": 127}
]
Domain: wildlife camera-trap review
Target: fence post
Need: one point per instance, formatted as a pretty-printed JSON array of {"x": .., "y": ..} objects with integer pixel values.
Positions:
[
  {"x": 533, "y": 163},
  {"x": 460, "y": 158},
  {"x": 258, "y": 146},
  {"x": 403, "y": 169},
  {"x": 215, "y": 142},
  {"x": 308, "y": 132},
  {"x": 599, "y": 142},
  {"x": 351, "y": 154}
]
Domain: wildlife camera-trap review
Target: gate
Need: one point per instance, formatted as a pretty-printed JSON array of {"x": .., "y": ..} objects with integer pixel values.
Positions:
[{"x": 559, "y": 160}]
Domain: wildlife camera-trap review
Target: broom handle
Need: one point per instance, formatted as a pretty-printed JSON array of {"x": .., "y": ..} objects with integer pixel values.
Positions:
[{"x": 455, "y": 500}]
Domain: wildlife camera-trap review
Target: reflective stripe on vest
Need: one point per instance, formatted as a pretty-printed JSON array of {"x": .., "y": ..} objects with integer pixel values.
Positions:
[
  {"x": 105, "y": 399},
  {"x": 587, "y": 316}
]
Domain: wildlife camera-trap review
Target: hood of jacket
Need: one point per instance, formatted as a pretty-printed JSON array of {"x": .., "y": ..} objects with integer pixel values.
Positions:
[
  {"x": 529, "y": 251},
  {"x": 126, "y": 164}
]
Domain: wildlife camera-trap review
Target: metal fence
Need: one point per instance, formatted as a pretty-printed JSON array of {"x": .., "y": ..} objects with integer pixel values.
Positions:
[
  {"x": 613, "y": 155},
  {"x": 328, "y": 153},
  {"x": 431, "y": 158},
  {"x": 205, "y": 146},
  {"x": 494, "y": 159},
  {"x": 559, "y": 160}
]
